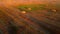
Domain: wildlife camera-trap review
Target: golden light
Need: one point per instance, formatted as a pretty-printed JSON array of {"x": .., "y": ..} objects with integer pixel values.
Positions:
[
  {"x": 23, "y": 12},
  {"x": 29, "y": 9},
  {"x": 54, "y": 10}
]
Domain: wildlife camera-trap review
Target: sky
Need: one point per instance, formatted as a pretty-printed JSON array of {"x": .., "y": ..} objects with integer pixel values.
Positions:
[{"x": 21, "y": 2}]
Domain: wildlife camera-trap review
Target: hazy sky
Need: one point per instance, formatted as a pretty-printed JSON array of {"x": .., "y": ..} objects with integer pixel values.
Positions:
[{"x": 17, "y": 2}]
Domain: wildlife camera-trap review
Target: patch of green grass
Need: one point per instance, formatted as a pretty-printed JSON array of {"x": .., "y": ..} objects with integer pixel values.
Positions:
[{"x": 33, "y": 7}]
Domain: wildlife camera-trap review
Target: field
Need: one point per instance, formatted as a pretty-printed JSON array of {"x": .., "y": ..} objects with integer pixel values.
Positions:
[{"x": 30, "y": 19}]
